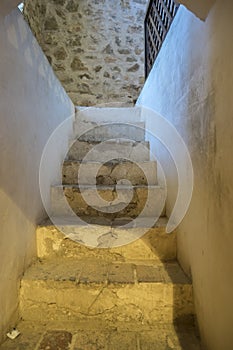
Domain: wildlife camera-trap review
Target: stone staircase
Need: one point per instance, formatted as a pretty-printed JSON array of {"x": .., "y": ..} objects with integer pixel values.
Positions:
[{"x": 108, "y": 273}]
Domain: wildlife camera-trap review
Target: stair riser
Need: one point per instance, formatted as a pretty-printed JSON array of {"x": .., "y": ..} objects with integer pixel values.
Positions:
[
  {"x": 109, "y": 174},
  {"x": 88, "y": 131},
  {"x": 99, "y": 203},
  {"x": 155, "y": 244},
  {"x": 107, "y": 151},
  {"x": 109, "y": 115},
  {"x": 67, "y": 301}
]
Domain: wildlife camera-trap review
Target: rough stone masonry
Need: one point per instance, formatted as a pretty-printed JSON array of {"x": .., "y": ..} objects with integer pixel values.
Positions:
[{"x": 96, "y": 47}]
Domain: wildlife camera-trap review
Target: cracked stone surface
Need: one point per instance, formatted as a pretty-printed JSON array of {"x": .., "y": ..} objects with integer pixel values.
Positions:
[
  {"x": 74, "y": 290},
  {"x": 123, "y": 150},
  {"x": 103, "y": 336},
  {"x": 155, "y": 243},
  {"x": 108, "y": 201},
  {"x": 95, "y": 132},
  {"x": 109, "y": 173}
]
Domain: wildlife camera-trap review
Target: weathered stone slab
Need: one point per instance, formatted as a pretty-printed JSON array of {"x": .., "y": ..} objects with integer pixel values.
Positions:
[
  {"x": 56, "y": 340},
  {"x": 153, "y": 245},
  {"x": 94, "y": 273},
  {"x": 109, "y": 150},
  {"x": 92, "y": 335},
  {"x": 91, "y": 341},
  {"x": 45, "y": 298},
  {"x": 110, "y": 173},
  {"x": 123, "y": 341},
  {"x": 148, "y": 273},
  {"x": 108, "y": 201},
  {"x": 108, "y": 114},
  {"x": 91, "y": 131},
  {"x": 121, "y": 273}
]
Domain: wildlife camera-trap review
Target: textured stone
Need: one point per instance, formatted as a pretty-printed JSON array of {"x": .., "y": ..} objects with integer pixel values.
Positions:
[
  {"x": 108, "y": 131},
  {"x": 131, "y": 151},
  {"x": 97, "y": 38},
  {"x": 91, "y": 341},
  {"x": 72, "y": 6},
  {"x": 92, "y": 335},
  {"x": 56, "y": 340},
  {"x": 119, "y": 273},
  {"x": 108, "y": 49},
  {"x": 148, "y": 273},
  {"x": 110, "y": 173},
  {"x": 83, "y": 88},
  {"x": 134, "y": 68},
  {"x": 98, "y": 68},
  {"x": 126, "y": 342},
  {"x": 59, "y": 2},
  {"x": 131, "y": 59},
  {"x": 155, "y": 243},
  {"x": 94, "y": 273},
  {"x": 51, "y": 24},
  {"x": 44, "y": 297},
  {"x": 124, "y": 51},
  {"x": 60, "y": 54},
  {"x": 108, "y": 201},
  {"x": 77, "y": 65}
]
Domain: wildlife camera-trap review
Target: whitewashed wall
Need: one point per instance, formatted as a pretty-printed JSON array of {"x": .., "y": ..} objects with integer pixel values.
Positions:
[
  {"x": 32, "y": 105},
  {"x": 191, "y": 85}
]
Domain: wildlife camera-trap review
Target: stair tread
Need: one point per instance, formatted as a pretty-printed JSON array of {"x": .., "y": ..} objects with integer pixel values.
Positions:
[
  {"x": 109, "y": 187},
  {"x": 102, "y": 221},
  {"x": 121, "y": 141},
  {"x": 105, "y": 335},
  {"x": 103, "y": 272},
  {"x": 112, "y": 162}
]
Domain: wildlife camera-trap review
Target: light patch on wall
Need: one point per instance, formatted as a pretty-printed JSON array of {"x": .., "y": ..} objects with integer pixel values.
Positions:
[
  {"x": 22, "y": 29},
  {"x": 20, "y": 6},
  {"x": 12, "y": 36},
  {"x": 28, "y": 56}
]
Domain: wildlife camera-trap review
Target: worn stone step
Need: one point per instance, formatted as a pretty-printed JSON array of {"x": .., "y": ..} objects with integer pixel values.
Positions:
[
  {"x": 108, "y": 201},
  {"x": 89, "y": 131},
  {"x": 109, "y": 114},
  {"x": 109, "y": 150},
  {"x": 99, "y": 124},
  {"x": 71, "y": 290},
  {"x": 110, "y": 173},
  {"x": 67, "y": 239},
  {"x": 103, "y": 336}
]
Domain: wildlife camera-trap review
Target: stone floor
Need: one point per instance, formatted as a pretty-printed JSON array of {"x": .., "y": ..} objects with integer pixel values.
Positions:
[{"x": 85, "y": 336}]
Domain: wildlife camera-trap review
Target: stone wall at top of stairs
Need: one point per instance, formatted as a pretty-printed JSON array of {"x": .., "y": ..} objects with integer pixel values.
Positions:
[{"x": 96, "y": 48}]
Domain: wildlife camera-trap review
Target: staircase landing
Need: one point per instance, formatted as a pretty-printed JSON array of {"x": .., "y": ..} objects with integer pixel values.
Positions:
[{"x": 90, "y": 336}]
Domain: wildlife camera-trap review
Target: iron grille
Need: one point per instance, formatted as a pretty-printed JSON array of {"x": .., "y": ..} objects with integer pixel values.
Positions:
[{"x": 159, "y": 17}]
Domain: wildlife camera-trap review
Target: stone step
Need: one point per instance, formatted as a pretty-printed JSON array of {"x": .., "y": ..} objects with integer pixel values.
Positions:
[
  {"x": 90, "y": 131},
  {"x": 110, "y": 173},
  {"x": 72, "y": 290},
  {"x": 109, "y": 150},
  {"x": 108, "y": 201},
  {"x": 63, "y": 240},
  {"x": 103, "y": 336},
  {"x": 109, "y": 114}
]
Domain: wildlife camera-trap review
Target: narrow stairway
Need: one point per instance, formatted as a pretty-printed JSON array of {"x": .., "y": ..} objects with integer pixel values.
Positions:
[{"x": 106, "y": 276}]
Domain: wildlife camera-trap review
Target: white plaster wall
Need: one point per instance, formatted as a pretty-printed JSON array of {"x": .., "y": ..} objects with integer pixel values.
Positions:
[
  {"x": 191, "y": 85},
  {"x": 32, "y": 104}
]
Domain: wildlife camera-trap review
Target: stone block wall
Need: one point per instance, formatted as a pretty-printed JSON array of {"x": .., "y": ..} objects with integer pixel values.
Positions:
[{"x": 96, "y": 47}]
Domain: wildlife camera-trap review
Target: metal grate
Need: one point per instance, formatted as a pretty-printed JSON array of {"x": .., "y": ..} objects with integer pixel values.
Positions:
[{"x": 159, "y": 17}]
